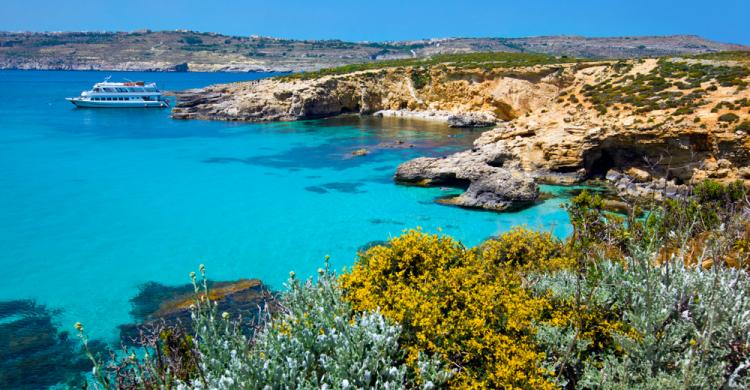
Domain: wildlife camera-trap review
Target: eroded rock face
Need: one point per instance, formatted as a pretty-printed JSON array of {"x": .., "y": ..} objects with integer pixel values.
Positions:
[
  {"x": 463, "y": 98},
  {"x": 489, "y": 183}
]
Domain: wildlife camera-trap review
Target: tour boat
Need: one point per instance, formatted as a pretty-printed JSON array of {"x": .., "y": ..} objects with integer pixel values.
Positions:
[{"x": 131, "y": 94}]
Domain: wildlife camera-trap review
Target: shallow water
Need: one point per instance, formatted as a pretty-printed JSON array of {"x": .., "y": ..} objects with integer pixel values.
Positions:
[{"x": 94, "y": 203}]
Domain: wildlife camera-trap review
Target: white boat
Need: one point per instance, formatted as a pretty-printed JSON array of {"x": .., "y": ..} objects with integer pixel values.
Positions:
[{"x": 131, "y": 94}]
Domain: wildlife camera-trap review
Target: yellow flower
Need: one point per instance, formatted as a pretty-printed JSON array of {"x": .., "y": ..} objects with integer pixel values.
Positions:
[
  {"x": 78, "y": 326},
  {"x": 467, "y": 305}
]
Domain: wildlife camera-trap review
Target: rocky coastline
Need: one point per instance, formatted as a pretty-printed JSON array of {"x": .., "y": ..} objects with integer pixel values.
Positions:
[{"x": 651, "y": 128}]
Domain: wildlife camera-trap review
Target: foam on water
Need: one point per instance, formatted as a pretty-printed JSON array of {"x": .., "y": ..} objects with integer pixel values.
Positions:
[{"x": 95, "y": 202}]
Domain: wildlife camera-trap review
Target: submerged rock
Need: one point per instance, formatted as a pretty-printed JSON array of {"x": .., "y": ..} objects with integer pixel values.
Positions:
[
  {"x": 156, "y": 302},
  {"x": 34, "y": 353}
]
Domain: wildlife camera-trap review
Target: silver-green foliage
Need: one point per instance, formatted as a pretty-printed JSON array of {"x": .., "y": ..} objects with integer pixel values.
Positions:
[
  {"x": 317, "y": 341},
  {"x": 690, "y": 327}
]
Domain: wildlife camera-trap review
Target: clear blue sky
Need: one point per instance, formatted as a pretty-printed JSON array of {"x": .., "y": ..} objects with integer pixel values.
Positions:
[{"x": 389, "y": 19}]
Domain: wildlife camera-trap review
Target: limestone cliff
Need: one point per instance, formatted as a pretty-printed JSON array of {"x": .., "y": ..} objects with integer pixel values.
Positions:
[{"x": 499, "y": 94}]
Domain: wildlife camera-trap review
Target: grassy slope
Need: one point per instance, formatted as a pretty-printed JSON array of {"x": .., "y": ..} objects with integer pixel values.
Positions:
[{"x": 469, "y": 60}]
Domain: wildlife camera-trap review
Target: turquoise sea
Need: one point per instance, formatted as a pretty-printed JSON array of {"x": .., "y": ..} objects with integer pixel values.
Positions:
[{"x": 93, "y": 203}]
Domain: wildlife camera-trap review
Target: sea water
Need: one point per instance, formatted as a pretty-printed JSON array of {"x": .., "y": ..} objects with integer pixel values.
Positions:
[{"x": 96, "y": 202}]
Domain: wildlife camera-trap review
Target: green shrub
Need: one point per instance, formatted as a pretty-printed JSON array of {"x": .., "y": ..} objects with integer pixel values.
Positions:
[
  {"x": 686, "y": 327},
  {"x": 420, "y": 78},
  {"x": 729, "y": 117},
  {"x": 189, "y": 40}
]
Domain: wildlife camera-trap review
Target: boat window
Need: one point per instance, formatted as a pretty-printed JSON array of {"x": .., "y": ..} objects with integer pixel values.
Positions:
[{"x": 97, "y": 90}]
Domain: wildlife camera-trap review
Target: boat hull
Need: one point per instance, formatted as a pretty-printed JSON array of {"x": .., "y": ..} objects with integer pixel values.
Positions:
[{"x": 83, "y": 103}]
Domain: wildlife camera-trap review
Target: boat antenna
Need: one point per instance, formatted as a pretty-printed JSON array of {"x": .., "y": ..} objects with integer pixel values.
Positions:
[{"x": 107, "y": 78}]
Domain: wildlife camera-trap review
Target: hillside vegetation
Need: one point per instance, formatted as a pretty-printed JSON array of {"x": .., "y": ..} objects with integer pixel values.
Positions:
[
  {"x": 184, "y": 50},
  {"x": 485, "y": 61}
]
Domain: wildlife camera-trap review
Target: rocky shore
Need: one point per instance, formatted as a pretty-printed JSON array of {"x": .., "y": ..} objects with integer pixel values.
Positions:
[{"x": 651, "y": 128}]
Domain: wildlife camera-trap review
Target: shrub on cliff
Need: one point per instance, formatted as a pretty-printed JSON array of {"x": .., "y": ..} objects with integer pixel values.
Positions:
[
  {"x": 669, "y": 312},
  {"x": 729, "y": 117},
  {"x": 682, "y": 326},
  {"x": 469, "y": 306},
  {"x": 315, "y": 342}
]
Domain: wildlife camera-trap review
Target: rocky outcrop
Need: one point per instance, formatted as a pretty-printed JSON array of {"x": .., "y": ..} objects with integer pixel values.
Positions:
[
  {"x": 490, "y": 183},
  {"x": 657, "y": 153}
]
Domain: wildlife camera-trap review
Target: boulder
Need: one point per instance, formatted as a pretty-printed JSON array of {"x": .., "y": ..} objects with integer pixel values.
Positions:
[
  {"x": 471, "y": 120},
  {"x": 638, "y": 175},
  {"x": 501, "y": 191},
  {"x": 490, "y": 183},
  {"x": 360, "y": 152}
]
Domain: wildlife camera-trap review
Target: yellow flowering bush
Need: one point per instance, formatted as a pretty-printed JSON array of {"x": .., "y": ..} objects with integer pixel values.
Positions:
[{"x": 467, "y": 305}]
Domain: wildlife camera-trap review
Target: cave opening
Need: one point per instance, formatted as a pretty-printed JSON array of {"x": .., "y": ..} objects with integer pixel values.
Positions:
[
  {"x": 498, "y": 161},
  {"x": 450, "y": 180},
  {"x": 598, "y": 162}
]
